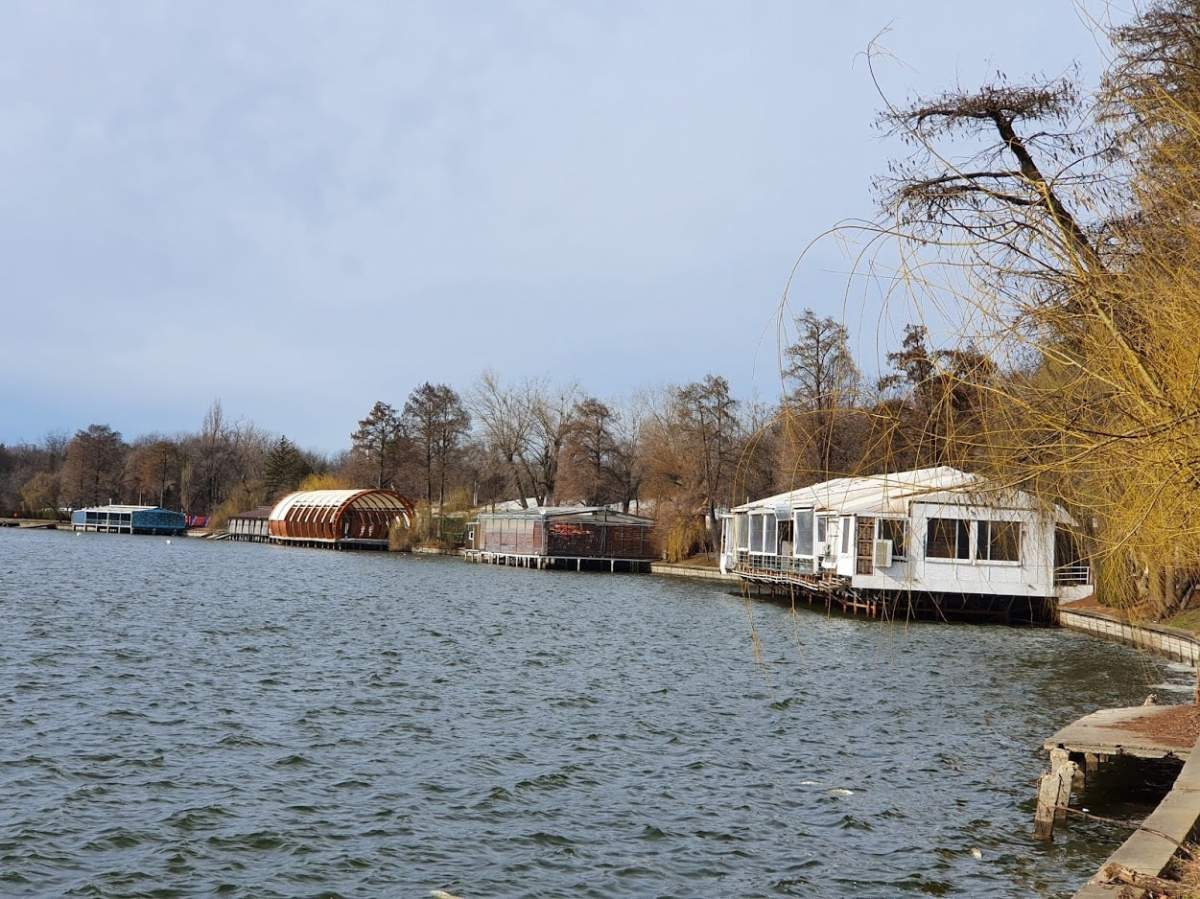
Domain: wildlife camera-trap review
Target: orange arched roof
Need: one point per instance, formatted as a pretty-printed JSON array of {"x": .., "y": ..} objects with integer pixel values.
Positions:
[{"x": 319, "y": 514}]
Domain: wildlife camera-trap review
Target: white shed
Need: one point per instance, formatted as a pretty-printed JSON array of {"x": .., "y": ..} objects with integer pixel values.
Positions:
[{"x": 932, "y": 530}]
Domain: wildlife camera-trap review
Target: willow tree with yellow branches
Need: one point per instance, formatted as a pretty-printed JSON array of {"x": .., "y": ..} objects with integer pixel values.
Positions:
[{"x": 1069, "y": 228}]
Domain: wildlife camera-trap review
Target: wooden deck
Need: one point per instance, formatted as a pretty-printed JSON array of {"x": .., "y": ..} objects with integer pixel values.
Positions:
[
  {"x": 568, "y": 563},
  {"x": 1103, "y": 733}
]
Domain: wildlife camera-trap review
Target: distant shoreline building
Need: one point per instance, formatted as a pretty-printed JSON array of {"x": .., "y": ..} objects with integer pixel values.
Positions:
[
  {"x": 250, "y": 526},
  {"x": 578, "y": 537},
  {"x": 117, "y": 519},
  {"x": 333, "y": 519}
]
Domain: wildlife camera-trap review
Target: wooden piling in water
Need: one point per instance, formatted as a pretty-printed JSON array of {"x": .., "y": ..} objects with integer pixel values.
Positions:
[{"x": 1054, "y": 795}]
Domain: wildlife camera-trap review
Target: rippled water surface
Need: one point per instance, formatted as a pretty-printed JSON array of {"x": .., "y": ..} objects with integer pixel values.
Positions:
[{"x": 196, "y": 718}]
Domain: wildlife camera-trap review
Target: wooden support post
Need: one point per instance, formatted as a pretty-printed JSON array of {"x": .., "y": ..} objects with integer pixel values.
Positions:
[
  {"x": 1054, "y": 794},
  {"x": 1091, "y": 763},
  {"x": 1043, "y": 817}
]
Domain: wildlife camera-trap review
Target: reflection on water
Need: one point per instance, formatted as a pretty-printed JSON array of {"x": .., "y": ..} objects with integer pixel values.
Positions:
[{"x": 267, "y": 721}]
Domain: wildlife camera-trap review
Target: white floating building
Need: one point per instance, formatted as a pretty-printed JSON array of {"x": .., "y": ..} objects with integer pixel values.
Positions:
[
  {"x": 119, "y": 519},
  {"x": 928, "y": 543}
]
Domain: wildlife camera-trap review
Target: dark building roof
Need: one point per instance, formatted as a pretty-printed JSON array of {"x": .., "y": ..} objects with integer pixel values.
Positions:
[
  {"x": 596, "y": 514},
  {"x": 258, "y": 512}
]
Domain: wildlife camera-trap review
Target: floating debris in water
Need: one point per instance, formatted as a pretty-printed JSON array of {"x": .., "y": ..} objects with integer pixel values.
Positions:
[
  {"x": 976, "y": 853},
  {"x": 809, "y": 783},
  {"x": 442, "y": 894},
  {"x": 839, "y": 791}
]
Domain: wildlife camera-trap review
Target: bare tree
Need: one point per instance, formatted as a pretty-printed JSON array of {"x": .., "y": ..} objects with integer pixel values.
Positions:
[
  {"x": 438, "y": 423},
  {"x": 507, "y": 425},
  {"x": 707, "y": 416},
  {"x": 590, "y": 450},
  {"x": 553, "y": 413},
  {"x": 211, "y": 460},
  {"x": 153, "y": 467},
  {"x": 1000, "y": 196},
  {"x": 627, "y": 461}
]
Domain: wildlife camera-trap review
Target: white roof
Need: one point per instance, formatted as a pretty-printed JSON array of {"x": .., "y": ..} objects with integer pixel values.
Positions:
[
  {"x": 117, "y": 508},
  {"x": 513, "y": 505},
  {"x": 561, "y": 511},
  {"x": 890, "y": 493}
]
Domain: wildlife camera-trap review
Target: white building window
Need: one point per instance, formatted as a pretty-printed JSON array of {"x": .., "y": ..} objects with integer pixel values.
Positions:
[
  {"x": 948, "y": 538},
  {"x": 847, "y": 535},
  {"x": 804, "y": 532},
  {"x": 770, "y": 538},
  {"x": 756, "y": 533},
  {"x": 896, "y": 530},
  {"x": 741, "y": 526},
  {"x": 998, "y": 541},
  {"x": 785, "y": 531}
]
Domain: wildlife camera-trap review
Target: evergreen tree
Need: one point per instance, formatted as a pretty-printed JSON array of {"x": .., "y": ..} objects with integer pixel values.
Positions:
[
  {"x": 378, "y": 439},
  {"x": 285, "y": 468}
]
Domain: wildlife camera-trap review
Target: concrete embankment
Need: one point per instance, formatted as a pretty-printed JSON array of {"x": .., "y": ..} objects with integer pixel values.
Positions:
[
  {"x": 1167, "y": 641},
  {"x": 695, "y": 572},
  {"x": 34, "y": 523},
  {"x": 1148, "y": 852}
]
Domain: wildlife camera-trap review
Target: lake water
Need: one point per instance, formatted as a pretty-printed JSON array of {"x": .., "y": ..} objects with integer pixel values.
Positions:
[{"x": 196, "y": 718}]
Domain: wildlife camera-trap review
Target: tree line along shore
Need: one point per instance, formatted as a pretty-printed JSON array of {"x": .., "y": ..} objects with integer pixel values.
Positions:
[
  {"x": 1057, "y": 223},
  {"x": 678, "y": 454}
]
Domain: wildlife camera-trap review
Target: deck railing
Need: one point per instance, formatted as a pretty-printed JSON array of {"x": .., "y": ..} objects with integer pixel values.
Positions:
[
  {"x": 753, "y": 562},
  {"x": 1068, "y": 575}
]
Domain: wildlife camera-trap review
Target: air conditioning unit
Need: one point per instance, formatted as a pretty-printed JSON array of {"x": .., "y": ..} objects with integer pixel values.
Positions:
[{"x": 883, "y": 553}]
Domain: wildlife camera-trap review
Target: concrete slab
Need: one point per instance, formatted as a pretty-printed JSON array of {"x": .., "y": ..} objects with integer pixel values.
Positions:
[
  {"x": 1102, "y": 733},
  {"x": 1152, "y": 846},
  {"x": 1108, "y": 891}
]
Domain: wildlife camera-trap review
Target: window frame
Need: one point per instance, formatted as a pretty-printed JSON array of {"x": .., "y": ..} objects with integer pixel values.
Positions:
[
  {"x": 741, "y": 528},
  {"x": 810, "y": 531},
  {"x": 899, "y": 548},
  {"x": 756, "y": 533},
  {"x": 983, "y": 543},
  {"x": 962, "y": 529}
]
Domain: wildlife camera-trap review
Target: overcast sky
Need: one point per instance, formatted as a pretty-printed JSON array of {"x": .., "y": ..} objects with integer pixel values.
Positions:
[{"x": 301, "y": 208}]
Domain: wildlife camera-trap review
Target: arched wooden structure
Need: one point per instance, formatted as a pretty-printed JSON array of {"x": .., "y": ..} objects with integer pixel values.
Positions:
[{"x": 338, "y": 517}]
